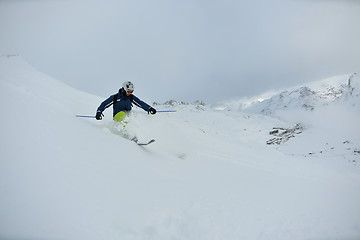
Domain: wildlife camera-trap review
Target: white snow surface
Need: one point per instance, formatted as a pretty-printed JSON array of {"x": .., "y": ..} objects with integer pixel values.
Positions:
[{"x": 209, "y": 175}]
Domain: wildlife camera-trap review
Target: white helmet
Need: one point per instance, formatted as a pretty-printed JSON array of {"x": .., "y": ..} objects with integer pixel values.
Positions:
[{"x": 128, "y": 86}]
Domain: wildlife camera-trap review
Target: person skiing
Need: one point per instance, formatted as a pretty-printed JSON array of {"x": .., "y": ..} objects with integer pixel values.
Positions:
[{"x": 122, "y": 103}]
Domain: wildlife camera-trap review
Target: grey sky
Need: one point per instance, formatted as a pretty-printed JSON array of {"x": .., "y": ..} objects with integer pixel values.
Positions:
[{"x": 184, "y": 49}]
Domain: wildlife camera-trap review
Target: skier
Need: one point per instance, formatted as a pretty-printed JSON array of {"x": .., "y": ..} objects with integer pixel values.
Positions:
[{"x": 122, "y": 103}]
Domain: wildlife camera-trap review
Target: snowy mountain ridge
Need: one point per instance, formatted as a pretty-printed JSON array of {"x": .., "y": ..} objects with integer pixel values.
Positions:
[
  {"x": 306, "y": 97},
  {"x": 210, "y": 174}
]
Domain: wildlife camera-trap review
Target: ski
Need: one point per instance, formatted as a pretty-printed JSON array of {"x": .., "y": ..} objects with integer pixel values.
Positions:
[{"x": 142, "y": 144}]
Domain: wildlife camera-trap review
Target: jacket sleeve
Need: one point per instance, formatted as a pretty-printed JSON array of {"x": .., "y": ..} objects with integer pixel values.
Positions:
[
  {"x": 140, "y": 103},
  {"x": 105, "y": 104}
]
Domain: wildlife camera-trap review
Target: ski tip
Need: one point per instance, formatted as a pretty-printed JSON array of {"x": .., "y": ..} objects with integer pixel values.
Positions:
[{"x": 144, "y": 144}]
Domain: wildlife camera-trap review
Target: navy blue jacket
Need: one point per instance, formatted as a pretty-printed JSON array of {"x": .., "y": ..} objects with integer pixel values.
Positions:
[{"x": 122, "y": 103}]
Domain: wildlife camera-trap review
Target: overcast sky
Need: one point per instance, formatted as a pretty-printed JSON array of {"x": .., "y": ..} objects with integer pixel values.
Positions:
[{"x": 184, "y": 49}]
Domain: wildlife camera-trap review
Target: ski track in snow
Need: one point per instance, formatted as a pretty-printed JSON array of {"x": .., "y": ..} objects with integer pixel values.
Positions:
[{"x": 209, "y": 175}]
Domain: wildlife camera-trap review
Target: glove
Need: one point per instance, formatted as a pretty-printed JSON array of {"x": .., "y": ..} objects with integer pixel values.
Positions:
[
  {"x": 99, "y": 116},
  {"x": 152, "y": 110}
]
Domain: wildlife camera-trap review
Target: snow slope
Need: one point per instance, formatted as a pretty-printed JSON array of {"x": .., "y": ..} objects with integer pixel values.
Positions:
[
  {"x": 328, "y": 112},
  {"x": 209, "y": 175}
]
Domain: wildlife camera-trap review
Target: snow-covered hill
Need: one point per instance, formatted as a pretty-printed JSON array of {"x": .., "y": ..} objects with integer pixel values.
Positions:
[
  {"x": 209, "y": 175},
  {"x": 326, "y": 112},
  {"x": 345, "y": 88}
]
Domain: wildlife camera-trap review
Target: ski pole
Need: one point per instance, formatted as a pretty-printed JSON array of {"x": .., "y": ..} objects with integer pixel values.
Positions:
[
  {"x": 85, "y": 116},
  {"x": 167, "y": 111}
]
